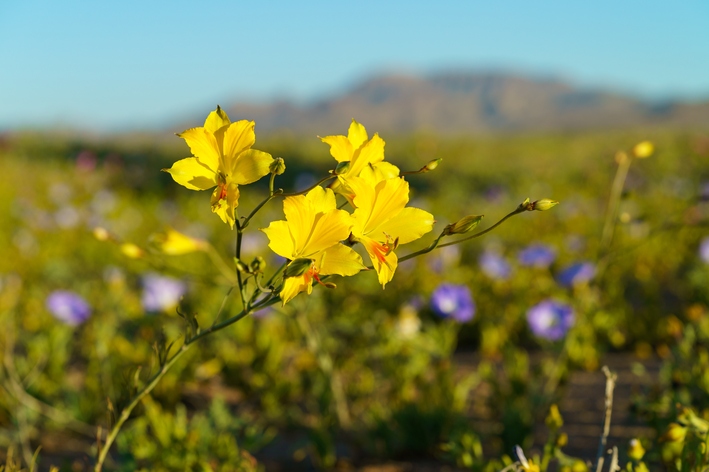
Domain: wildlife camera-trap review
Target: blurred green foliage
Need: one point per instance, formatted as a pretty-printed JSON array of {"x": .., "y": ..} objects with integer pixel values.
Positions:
[{"x": 354, "y": 372}]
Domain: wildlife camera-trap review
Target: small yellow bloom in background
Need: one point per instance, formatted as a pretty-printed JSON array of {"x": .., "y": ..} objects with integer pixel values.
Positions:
[
  {"x": 174, "y": 243},
  {"x": 132, "y": 251},
  {"x": 222, "y": 157},
  {"x": 312, "y": 230},
  {"x": 101, "y": 234},
  {"x": 382, "y": 223},
  {"x": 643, "y": 149},
  {"x": 364, "y": 155}
]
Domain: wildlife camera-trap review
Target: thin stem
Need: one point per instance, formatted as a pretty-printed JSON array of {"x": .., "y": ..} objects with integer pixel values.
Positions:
[
  {"x": 481, "y": 233},
  {"x": 270, "y": 184},
  {"x": 239, "y": 233},
  {"x": 270, "y": 197},
  {"x": 613, "y": 204},
  {"x": 430, "y": 248},
  {"x": 324, "y": 179},
  {"x": 155, "y": 379}
]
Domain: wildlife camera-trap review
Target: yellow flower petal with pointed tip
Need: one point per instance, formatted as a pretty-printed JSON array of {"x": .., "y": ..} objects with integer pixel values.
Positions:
[
  {"x": 382, "y": 222},
  {"x": 369, "y": 154},
  {"x": 191, "y": 173},
  {"x": 204, "y": 147},
  {"x": 280, "y": 238},
  {"x": 216, "y": 119},
  {"x": 357, "y": 135},
  {"x": 378, "y": 172},
  {"x": 340, "y": 260},
  {"x": 222, "y": 157},
  {"x": 340, "y": 147}
]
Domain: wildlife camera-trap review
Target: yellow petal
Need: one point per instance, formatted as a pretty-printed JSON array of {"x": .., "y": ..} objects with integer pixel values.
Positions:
[
  {"x": 250, "y": 166},
  {"x": 322, "y": 199},
  {"x": 377, "y": 204},
  {"x": 191, "y": 173},
  {"x": 301, "y": 219},
  {"x": 216, "y": 119},
  {"x": 340, "y": 147},
  {"x": 378, "y": 172},
  {"x": 204, "y": 146},
  {"x": 238, "y": 137},
  {"x": 280, "y": 239},
  {"x": 384, "y": 264},
  {"x": 175, "y": 243},
  {"x": 330, "y": 228},
  {"x": 225, "y": 206},
  {"x": 370, "y": 153},
  {"x": 357, "y": 135},
  {"x": 341, "y": 260},
  {"x": 409, "y": 225},
  {"x": 292, "y": 286}
]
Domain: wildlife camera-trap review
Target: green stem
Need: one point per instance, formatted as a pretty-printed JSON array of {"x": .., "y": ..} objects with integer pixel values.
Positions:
[
  {"x": 430, "y": 248},
  {"x": 481, "y": 233},
  {"x": 155, "y": 379},
  {"x": 239, "y": 233},
  {"x": 613, "y": 205}
]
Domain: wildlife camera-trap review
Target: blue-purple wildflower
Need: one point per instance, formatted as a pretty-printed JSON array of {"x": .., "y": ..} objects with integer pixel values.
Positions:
[
  {"x": 537, "y": 255},
  {"x": 68, "y": 307},
  {"x": 161, "y": 293},
  {"x": 550, "y": 319},
  {"x": 453, "y": 301},
  {"x": 495, "y": 265},
  {"x": 704, "y": 249},
  {"x": 579, "y": 273}
]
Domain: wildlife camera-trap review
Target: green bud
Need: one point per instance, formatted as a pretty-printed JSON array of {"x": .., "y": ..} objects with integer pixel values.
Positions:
[
  {"x": 240, "y": 266},
  {"x": 277, "y": 167},
  {"x": 554, "y": 420},
  {"x": 636, "y": 450},
  {"x": 463, "y": 225},
  {"x": 258, "y": 264},
  {"x": 525, "y": 205},
  {"x": 298, "y": 267},
  {"x": 342, "y": 168},
  {"x": 543, "y": 205},
  {"x": 330, "y": 285},
  {"x": 431, "y": 165}
]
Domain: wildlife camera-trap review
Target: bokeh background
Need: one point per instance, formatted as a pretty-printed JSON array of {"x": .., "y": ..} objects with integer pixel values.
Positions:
[{"x": 462, "y": 356}]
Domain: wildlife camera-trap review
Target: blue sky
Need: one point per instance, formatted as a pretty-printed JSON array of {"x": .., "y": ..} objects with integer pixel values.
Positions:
[{"x": 125, "y": 65}]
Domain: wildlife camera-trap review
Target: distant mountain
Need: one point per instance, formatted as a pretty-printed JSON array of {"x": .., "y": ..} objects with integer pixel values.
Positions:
[{"x": 470, "y": 103}]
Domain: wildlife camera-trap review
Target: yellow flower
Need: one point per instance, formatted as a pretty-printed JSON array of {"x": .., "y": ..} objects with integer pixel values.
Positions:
[
  {"x": 174, "y": 243},
  {"x": 223, "y": 158},
  {"x": 365, "y": 157},
  {"x": 313, "y": 230},
  {"x": 382, "y": 222}
]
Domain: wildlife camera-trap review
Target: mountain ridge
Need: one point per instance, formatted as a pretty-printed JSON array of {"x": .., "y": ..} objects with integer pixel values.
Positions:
[{"x": 465, "y": 102}]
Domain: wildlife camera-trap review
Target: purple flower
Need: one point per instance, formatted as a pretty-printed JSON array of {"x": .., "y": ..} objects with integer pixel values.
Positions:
[
  {"x": 578, "y": 273},
  {"x": 68, "y": 307},
  {"x": 494, "y": 265},
  {"x": 453, "y": 301},
  {"x": 161, "y": 293},
  {"x": 704, "y": 249},
  {"x": 537, "y": 255},
  {"x": 550, "y": 319}
]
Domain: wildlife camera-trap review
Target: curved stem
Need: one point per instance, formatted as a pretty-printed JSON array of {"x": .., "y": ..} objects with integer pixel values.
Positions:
[
  {"x": 324, "y": 179},
  {"x": 155, "y": 379},
  {"x": 481, "y": 233},
  {"x": 430, "y": 248}
]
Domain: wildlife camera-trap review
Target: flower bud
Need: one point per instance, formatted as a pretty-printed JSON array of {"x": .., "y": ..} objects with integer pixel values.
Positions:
[
  {"x": 240, "y": 266},
  {"x": 525, "y": 205},
  {"x": 675, "y": 433},
  {"x": 258, "y": 264},
  {"x": 554, "y": 420},
  {"x": 636, "y": 450},
  {"x": 431, "y": 165},
  {"x": 298, "y": 267},
  {"x": 643, "y": 149},
  {"x": 342, "y": 168},
  {"x": 463, "y": 225},
  {"x": 543, "y": 205},
  {"x": 330, "y": 285},
  {"x": 562, "y": 440},
  {"x": 132, "y": 251},
  {"x": 174, "y": 243},
  {"x": 277, "y": 167},
  {"x": 101, "y": 234}
]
